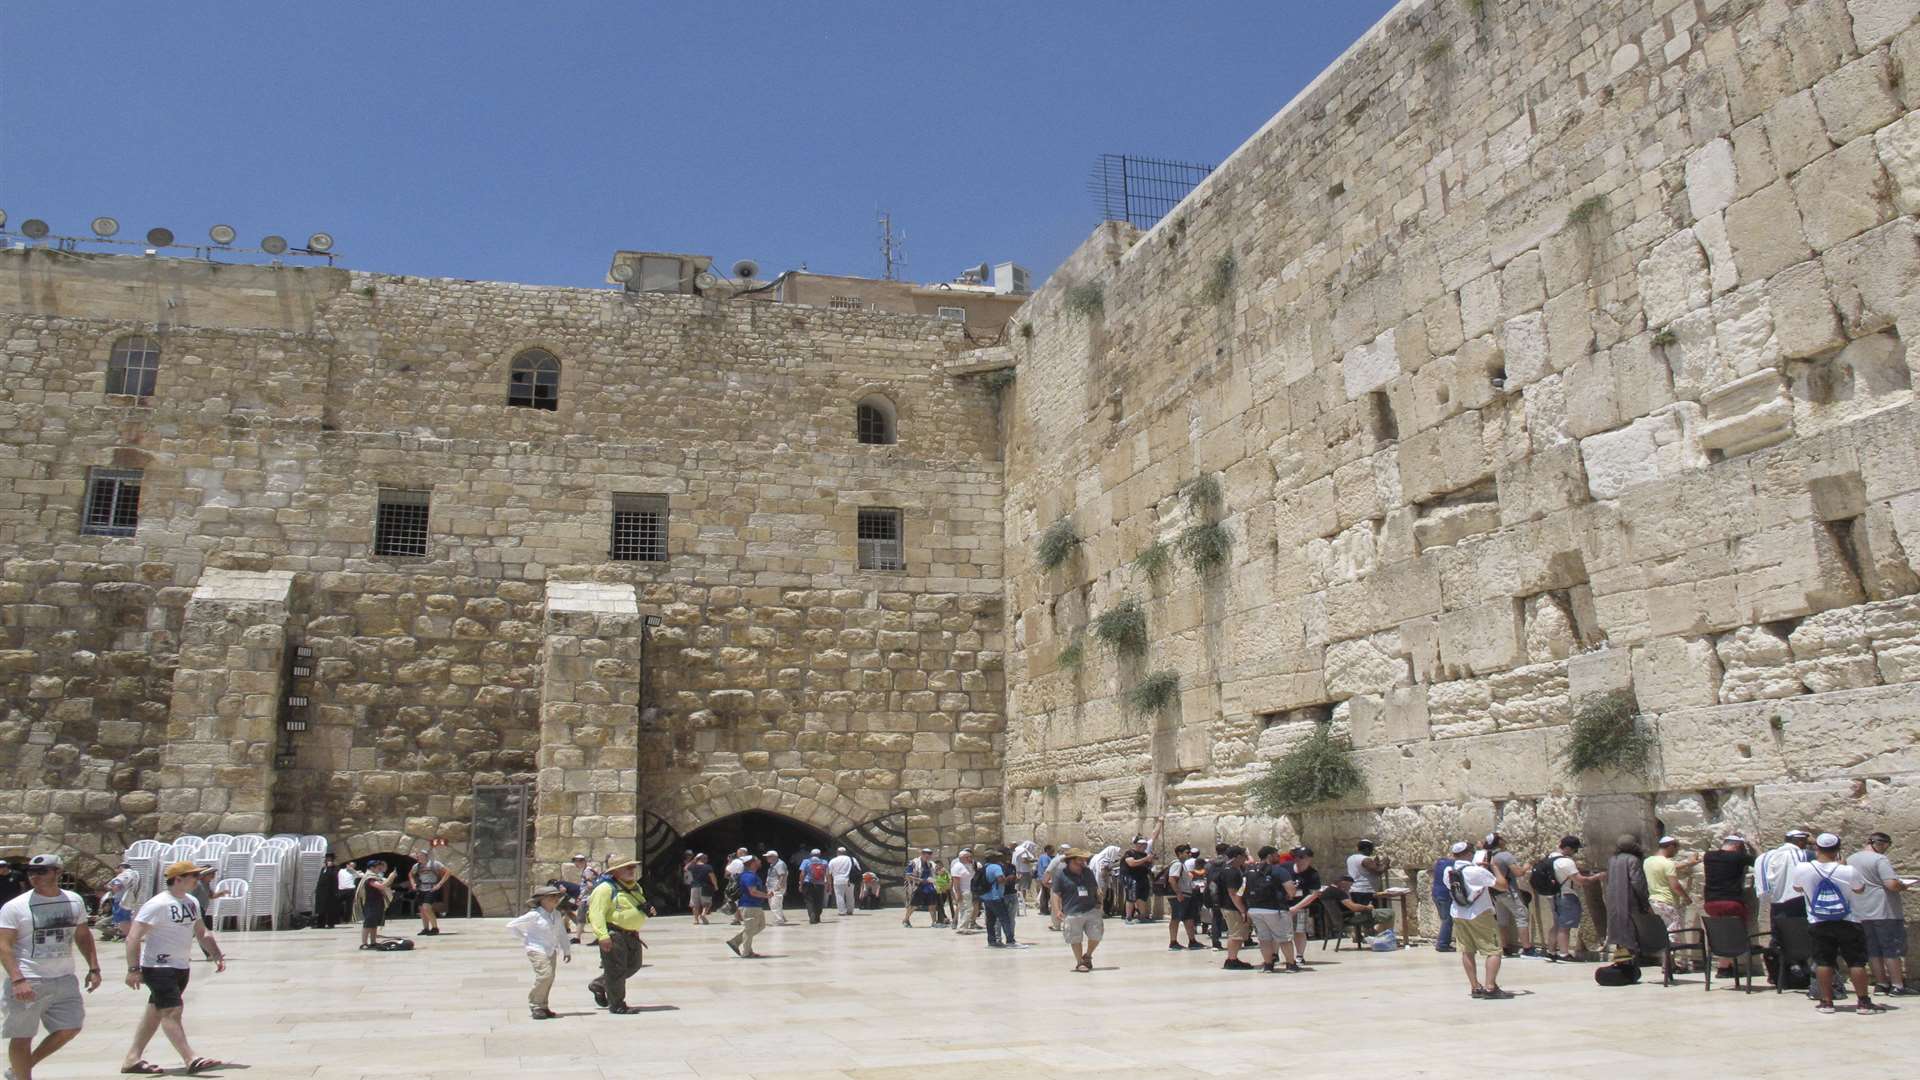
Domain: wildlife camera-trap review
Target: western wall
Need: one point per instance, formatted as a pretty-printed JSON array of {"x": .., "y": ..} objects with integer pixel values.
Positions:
[{"x": 1542, "y": 352}]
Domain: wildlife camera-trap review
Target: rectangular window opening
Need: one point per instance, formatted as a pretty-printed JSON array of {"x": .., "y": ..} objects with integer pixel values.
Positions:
[
  {"x": 846, "y": 303},
  {"x": 113, "y": 502},
  {"x": 639, "y": 528},
  {"x": 400, "y": 524},
  {"x": 879, "y": 538},
  {"x": 953, "y": 314}
]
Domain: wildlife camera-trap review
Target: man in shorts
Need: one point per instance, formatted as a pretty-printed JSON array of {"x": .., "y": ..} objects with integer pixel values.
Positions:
[
  {"x": 1076, "y": 892},
  {"x": 427, "y": 878},
  {"x": 1831, "y": 890},
  {"x": 376, "y": 889},
  {"x": 1568, "y": 881},
  {"x": 159, "y": 950},
  {"x": 1476, "y": 931},
  {"x": 1511, "y": 907},
  {"x": 1183, "y": 904},
  {"x": 1271, "y": 893},
  {"x": 1233, "y": 886},
  {"x": 38, "y": 930},
  {"x": 1882, "y": 916}
]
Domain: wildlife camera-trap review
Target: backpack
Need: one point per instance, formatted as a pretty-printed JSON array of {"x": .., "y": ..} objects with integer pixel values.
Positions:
[
  {"x": 817, "y": 873},
  {"x": 1457, "y": 886},
  {"x": 1544, "y": 881},
  {"x": 1621, "y": 974},
  {"x": 1829, "y": 901},
  {"x": 395, "y": 945}
]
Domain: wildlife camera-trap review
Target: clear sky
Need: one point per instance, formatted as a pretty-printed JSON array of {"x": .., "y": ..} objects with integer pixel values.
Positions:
[{"x": 527, "y": 141}]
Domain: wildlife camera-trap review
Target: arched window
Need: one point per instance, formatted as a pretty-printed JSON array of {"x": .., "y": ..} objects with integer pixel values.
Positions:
[
  {"x": 874, "y": 421},
  {"x": 134, "y": 366},
  {"x": 535, "y": 381}
]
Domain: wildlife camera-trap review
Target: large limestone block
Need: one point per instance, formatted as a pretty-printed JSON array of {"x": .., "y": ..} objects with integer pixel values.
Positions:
[
  {"x": 1369, "y": 665},
  {"x": 1544, "y": 482},
  {"x": 1676, "y": 673},
  {"x": 1747, "y": 414},
  {"x": 1877, "y": 21},
  {"x": 1805, "y": 322},
  {"x": 1531, "y": 696},
  {"x": 1765, "y": 231},
  {"x": 1843, "y": 194},
  {"x": 1794, "y": 568},
  {"x": 1599, "y": 673},
  {"x": 1898, "y": 147},
  {"x": 1674, "y": 278},
  {"x": 1758, "y": 664},
  {"x": 1385, "y": 599},
  {"x": 1484, "y": 638},
  {"x": 1859, "y": 98},
  {"x": 1500, "y": 765},
  {"x": 1524, "y": 341},
  {"x": 1711, "y": 183},
  {"x": 1873, "y": 273},
  {"x": 1848, "y": 733},
  {"x": 1371, "y": 366},
  {"x": 1443, "y": 459},
  {"x": 1652, "y": 447}
]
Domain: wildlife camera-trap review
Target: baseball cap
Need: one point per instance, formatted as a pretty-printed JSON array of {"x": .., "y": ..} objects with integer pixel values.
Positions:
[
  {"x": 181, "y": 869},
  {"x": 1733, "y": 838},
  {"x": 926, "y": 851},
  {"x": 770, "y": 855},
  {"x": 1303, "y": 852},
  {"x": 1826, "y": 841},
  {"x": 41, "y": 863},
  {"x": 1665, "y": 840},
  {"x": 1459, "y": 847}
]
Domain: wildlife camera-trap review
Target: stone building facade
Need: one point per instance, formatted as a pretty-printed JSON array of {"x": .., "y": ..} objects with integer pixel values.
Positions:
[{"x": 1541, "y": 352}]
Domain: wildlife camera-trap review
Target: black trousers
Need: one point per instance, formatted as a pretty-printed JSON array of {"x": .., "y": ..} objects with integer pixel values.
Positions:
[
  {"x": 617, "y": 965},
  {"x": 815, "y": 895}
]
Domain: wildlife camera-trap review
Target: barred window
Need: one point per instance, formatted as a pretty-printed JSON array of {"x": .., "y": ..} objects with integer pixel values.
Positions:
[
  {"x": 113, "y": 502},
  {"x": 534, "y": 382},
  {"x": 873, "y": 421},
  {"x": 879, "y": 536},
  {"x": 134, "y": 366},
  {"x": 639, "y": 528},
  {"x": 400, "y": 524},
  {"x": 846, "y": 303},
  {"x": 953, "y": 314}
]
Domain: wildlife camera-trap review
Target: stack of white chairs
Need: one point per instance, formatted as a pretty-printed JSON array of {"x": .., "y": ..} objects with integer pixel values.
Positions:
[
  {"x": 313, "y": 858},
  {"x": 271, "y": 880},
  {"x": 219, "y": 838},
  {"x": 141, "y": 858},
  {"x": 214, "y": 851},
  {"x": 238, "y": 861},
  {"x": 233, "y": 905}
]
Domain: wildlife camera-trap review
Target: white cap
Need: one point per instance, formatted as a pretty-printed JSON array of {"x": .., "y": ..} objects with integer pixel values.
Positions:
[
  {"x": 1826, "y": 840},
  {"x": 966, "y": 851},
  {"x": 577, "y": 858},
  {"x": 816, "y": 851},
  {"x": 1665, "y": 840},
  {"x": 1459, "y": 847},
  {"x": 840, "y": 849},
  {"x": 1733, "y": 838},
  {"x": 1800, "y": 834},
  {"x": 1491, "y": 837},
  {"x": 771, "y": 855}
]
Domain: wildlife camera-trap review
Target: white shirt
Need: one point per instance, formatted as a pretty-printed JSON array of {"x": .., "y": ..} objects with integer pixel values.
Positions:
[
  {"x": 1024, "y": 859},
  {"x": 346, "y": 879},
  {"x": 43, "y": 929},
  {"x": 777, "y": 876},
  {"x": 1479, "y": 882},
  {"x": 169, "y": 920},
  {"x": 1773, "y": 874},
  {"x": 841, "y": 867},
  {"x": 541, "y": 932},
  {"x": 120, "y": 882},
  {"x": 734, "y": 867},
  {"x": 961, "y": 873},
  {"x": 1806, "y": 878},
  {"x": 1563, "y": 869},
  {"x": 1363, "y": 878}
]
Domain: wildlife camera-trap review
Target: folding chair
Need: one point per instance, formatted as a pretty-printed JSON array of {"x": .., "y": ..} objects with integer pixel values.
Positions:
[
  {"x": 1655, "y": 938},
  {"x": 1792, "y": 944},
  {"x": 1727, "y": 939}
]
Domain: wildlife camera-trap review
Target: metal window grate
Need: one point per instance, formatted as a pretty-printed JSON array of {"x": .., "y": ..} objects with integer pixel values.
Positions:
[
  {"x": 400, "y": 526},
  {"x": 534, "y": 382},
  {"x": 953, "y": 314},
  {"x": 1139, "y": 189},
  {"x": 113, "y": 502},
  {"x": 639, "y": 528},
  {"x": 879, "y": 540},
  {"x": 134, "y": 366},
  {"x": 846, "y": 303},
  {"x": 873, "y": 425}
]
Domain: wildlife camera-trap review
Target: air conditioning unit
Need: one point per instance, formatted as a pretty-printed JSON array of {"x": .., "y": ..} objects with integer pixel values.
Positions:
[{"x": 1012, "y": 279}]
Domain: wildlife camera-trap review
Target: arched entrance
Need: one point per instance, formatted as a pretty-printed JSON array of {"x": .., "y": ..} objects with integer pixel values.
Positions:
[
  {"x": 453, "y": 898},
  {"x": 758, "y": 831}
]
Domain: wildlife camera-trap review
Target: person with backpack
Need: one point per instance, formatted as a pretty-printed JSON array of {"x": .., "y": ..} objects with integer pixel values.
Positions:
[
  {"x": 813, "y": 884},
  {"x": 1000, "y": 879},
  {"x": 1476, "y": 932},
  {"x": 1271, "y": 893},
  {"x": 701, "y": 888},
  {"x": 1042, "y": 869},
  {"x": 1442, "y": 899},
  {"x": 1558, "y": 876},
  {"x": 1217, "y": 920},
  {"x": 616, "y": 910},
  {"x": 1831, "y": 890}
]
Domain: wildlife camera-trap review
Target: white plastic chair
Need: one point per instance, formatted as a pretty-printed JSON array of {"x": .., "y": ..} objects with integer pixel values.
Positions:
[
  {"x": 219, "y": 838},
  {"x": 246, "y": 842},
  {"x": 143, "y": 849},
  {"x": 233, "y": 905},
  {"x": 184, "y": 841}
]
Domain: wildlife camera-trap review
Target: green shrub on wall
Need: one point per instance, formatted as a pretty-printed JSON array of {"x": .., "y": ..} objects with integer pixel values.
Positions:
[
  {"x": 1123, "y": 628},
  {"x": 1206, "y": 546},
  {"x": 1089, "y": 298},
  {"x": 1605, "y": 736},
  {"x": 1056, "y": 545},
  {"x": 1155, "y": 692},
  {"x": 1318, "y": 769},
  {"x": 1154, "y": 561},
  {"x": 1074, "y": 655}
]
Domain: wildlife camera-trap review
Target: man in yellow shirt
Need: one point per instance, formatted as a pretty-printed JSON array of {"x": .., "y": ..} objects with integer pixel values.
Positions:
[
  {"x": 1667, "y": 886},
  {"x": 616, "y": 910}
]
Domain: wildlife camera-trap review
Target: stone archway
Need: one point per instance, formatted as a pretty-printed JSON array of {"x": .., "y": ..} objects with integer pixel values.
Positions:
[{"x": 827, "y": 810}]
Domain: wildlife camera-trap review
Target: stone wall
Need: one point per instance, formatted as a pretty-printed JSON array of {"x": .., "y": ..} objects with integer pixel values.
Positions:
[
  {"x": 1540, "y": 352},
  {"x": 782, "y": 674}
]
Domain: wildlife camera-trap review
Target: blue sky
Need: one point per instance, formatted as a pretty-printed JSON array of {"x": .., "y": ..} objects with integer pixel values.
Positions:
[{"x": 527, "y": 142}]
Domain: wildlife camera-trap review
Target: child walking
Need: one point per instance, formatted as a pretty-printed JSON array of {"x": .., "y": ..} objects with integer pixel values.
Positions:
[{"x": 543, "y": 932}]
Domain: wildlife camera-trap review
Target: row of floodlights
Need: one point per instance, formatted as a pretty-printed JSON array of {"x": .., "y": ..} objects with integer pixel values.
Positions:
[{"x": 222, "y": 235}]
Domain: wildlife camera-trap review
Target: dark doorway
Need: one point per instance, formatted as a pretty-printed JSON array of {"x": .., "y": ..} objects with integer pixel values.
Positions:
[
  {"x": 759, "y": 832},
  {"x": 453, "y": 898}
]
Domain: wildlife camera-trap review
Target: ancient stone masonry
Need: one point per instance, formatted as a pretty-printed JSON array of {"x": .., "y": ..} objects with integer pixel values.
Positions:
[
  {"x": 290, "y": 403},
  {"x": 1543, "y": 351}
]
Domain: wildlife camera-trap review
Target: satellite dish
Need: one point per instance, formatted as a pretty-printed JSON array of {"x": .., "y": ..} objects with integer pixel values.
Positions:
[
  {"x": 104, "y": 227},
  {"x": 320, "y": 242},
  {"x": 623, "y": 272},
  {"x": 746, "y": 268},
  {"x": 160, "y": 237},
  {"x": 704, "y": 280},
  {"x": 34, "y": 229},
  {"x": 222, "y": 234},
  {"x": 274, "y": 245}
]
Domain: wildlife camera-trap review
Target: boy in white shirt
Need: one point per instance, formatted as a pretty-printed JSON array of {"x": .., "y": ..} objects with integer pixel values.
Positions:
[
  {"x": 159, "y": 951},
  {"x": 543, "y": 933},
  {"x": 1832, "y": 891}
]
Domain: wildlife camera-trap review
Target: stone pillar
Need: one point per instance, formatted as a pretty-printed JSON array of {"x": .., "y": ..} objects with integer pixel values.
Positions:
[
  {"x": 216, "y": 772},
  {"x": 589, "y": 723}
]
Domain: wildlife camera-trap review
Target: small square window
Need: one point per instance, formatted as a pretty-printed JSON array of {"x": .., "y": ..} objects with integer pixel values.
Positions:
[
  {"x": 400, "y": 525},
  {"x": 639, "y": 528},
  {"x": 953, "y": 314},
  {"x": 879, "y": 539},
  {"x": 846, "y": 303},
  {"x": 113, "y": 502}
]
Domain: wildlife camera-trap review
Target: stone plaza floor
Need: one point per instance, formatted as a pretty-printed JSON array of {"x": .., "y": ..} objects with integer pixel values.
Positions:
[{"x": 862, "y": 997}]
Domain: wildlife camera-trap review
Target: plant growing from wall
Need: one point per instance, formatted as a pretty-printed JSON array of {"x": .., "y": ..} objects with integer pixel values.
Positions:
[
  {"x": 1154, "y": 692},
  {"x": 1087, "y": 299},
  {"x": 1203, "y": 495},
  {"x": 1476, "y": 8},
  {"x": 1318, "y": 769},
  {"x": 1219, "y": 283},
  {"x": 1605, "y": 736},
  {"x": 1154, "y": 561},
  {"x": 1437, "y": 51},
  {"x": 1664, "y": 337},
  {"x": 1074, "y": 655},
  {"x": 996, "y": 381},
  {"x": 1026, "y": 330},
  {"x": 1056, "y": 545},
  {"x": 1140, "y": 797},
  {"x": 1123, "y": 628},
  {"x": 1587, "y": 210},
  {"x": 1205, "y": 545}
]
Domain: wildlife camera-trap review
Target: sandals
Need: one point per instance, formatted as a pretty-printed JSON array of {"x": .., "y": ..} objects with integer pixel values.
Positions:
[
  {"x": 202, "y": 1064},
  {"x": 140, "y": 1068}
]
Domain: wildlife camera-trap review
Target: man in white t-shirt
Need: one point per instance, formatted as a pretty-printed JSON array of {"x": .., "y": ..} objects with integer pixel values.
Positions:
[
  {"x": 38, "y": 930},
  {"x": 775, "y": 870},
  {"x": 159, "y": 950},
  {"x": 1567, "y": 910},
  {"x": 734, "y": 867},
  {"x": 841, "y": 869},
  {"x": 1832, "y": 892},
  {"x": 1470, "y": 891},
  {"x": 961, "y": 873}
]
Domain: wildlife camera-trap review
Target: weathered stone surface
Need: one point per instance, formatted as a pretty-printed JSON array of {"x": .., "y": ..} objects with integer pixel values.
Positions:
[{"x": 1644, "y": 451}]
